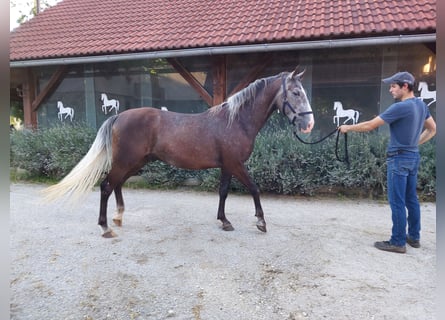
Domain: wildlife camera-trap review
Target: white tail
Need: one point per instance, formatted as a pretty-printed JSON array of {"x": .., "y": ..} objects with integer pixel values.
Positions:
[{"x": 85, "y": 174}]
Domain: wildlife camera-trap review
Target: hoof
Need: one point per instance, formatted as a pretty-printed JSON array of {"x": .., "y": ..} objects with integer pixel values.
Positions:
[
  {"x": 227, "y": 227},
  {"x": 117, "y": 222},
  {"x": 261, "y": 225},
  {"x": 109, "y": 234}
]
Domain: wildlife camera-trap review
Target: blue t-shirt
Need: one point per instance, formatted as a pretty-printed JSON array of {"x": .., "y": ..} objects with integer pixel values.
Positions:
[{"x": 405, "y": 119}]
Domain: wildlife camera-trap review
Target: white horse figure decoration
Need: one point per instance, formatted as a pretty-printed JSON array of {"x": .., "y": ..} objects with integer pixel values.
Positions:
[
  {"x": 425, "y": 93},
  {"x": 68, "y": 112},
  {"x": 113, "y": 104},
  {"x": 350, "y": 114}
]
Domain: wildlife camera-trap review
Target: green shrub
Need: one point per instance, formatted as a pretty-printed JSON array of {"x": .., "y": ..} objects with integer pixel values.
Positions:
[
  {"x": 50, "y": 152},
  {"x": 279, "y": 164},
  {"x": 161, "y": 174},
  {"x": 426, "y": 181}
]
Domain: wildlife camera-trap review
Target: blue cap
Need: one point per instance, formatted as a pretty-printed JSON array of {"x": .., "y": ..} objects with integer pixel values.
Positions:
[{"x": 400, "y": 77}]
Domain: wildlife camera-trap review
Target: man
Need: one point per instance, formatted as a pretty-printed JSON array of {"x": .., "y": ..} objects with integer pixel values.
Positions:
[{"x": 410, "y": 125}]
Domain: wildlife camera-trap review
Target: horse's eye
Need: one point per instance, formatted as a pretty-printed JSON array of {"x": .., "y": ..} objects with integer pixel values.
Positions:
[{"x": 296, "y": 93}]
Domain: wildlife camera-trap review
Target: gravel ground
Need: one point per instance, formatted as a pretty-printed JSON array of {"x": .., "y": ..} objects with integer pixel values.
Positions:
[{"x": 171, "y": 260}]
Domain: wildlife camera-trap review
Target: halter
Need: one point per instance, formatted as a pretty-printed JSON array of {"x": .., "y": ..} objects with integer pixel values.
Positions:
[{"x": 288, "y": 105}]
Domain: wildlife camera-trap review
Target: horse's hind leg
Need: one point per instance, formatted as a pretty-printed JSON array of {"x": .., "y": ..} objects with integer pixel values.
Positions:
[
  {"x": 223, "y": 191},
  {"x": 120, "y": 207},
  {"x": 105, "y": 191}
]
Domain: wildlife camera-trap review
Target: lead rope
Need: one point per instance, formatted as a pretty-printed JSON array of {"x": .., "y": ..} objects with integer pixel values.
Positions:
[{"x": 346, "y": 155}]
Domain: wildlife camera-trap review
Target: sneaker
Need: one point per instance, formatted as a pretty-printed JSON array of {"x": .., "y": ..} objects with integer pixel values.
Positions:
[
  {"x": 413, "y": 243},
  {"x": 387, "y": 246}
]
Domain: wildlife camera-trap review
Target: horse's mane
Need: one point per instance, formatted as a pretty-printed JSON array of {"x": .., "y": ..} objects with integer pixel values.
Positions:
[{"x": 234, "y": 103}]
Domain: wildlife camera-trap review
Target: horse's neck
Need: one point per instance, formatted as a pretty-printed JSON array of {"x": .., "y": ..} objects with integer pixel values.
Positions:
[{"x": 262, "y": 105}]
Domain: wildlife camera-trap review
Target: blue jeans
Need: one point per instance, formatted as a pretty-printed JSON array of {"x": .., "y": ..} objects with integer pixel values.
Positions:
[{"x": 402, "y": 194}]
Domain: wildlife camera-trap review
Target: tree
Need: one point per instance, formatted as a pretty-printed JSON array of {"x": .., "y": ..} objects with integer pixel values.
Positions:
[{"x": 26, "y": 9}]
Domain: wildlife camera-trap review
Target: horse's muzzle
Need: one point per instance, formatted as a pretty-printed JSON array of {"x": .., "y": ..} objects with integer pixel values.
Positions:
[{"x": 307, "y": 123}]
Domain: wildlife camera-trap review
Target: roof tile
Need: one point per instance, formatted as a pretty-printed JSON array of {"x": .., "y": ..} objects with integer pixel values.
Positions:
[{"x": 95, "y": 27}]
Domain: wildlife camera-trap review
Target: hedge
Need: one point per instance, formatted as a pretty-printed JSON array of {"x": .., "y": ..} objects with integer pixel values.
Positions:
[{"x": 279, "y": 163}]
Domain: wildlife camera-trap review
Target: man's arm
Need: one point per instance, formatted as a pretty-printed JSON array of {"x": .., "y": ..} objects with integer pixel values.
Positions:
[
  {"x": 363, "y": 126},
  {"x": 429, "y": 131}
]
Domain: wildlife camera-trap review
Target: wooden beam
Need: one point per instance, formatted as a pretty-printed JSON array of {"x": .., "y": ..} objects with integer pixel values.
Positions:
[
  {"x": 253, "y": 74},
  {"x": 53, "y": 82},
  {"x": 219, "y": 79},
  {"x": 29, "y": 92},
  {"x": 191, "y": 80}
]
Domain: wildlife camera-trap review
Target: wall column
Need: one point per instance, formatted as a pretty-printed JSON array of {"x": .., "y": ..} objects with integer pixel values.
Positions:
[
  {"x": 389, "y": 67},
  {"x": 90, "y": 100},
  {"x": 29, "y": 94},
  {"x": 219, "y": 79}
]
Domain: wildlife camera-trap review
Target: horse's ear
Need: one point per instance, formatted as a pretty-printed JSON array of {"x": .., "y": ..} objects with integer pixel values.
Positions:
[{"x": 296, "y": 75}]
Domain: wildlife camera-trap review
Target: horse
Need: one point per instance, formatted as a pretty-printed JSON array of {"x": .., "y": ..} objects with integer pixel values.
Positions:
[
  {"x": 113, "y": 104},
  {"x": 425, "y": 94},
  {"x": 340, "y": 113},
  {"x": 68, "y": 112},
  {"x": 221, "y": 137}
]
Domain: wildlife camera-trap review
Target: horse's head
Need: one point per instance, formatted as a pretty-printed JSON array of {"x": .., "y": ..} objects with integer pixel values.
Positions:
[
  {"x": 294, "y": 103},
  {"x": 336, "y": 104},
  {"x": 59, "y": 104}
]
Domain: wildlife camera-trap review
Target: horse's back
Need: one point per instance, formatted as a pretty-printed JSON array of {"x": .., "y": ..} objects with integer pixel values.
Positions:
[
  {"x": 134, "y": 134},
  {"x": 192, "y": 141},
  {"x": 188, "y": 140}
]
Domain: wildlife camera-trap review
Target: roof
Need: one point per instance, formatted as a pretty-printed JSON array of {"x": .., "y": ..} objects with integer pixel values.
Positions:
[{"x": 75, "y": 28}]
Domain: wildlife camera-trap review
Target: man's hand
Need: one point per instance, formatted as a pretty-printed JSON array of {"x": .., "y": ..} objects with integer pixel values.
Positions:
[{"x": 344, "y": 128}]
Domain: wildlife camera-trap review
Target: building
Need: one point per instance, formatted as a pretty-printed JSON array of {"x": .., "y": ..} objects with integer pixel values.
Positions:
[{"x": 82, "y": 60}]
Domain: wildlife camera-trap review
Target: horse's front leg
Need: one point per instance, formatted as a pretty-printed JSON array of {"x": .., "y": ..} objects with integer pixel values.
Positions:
[
  {"x": 224, "y": 184},
  {"x": 120, "y": 207},
  {"x": 243, "y": 176},
  {"x": 105, "y": 192}
]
